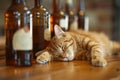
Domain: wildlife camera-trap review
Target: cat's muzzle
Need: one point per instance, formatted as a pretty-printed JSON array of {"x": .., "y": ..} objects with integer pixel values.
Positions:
[{"x": 64, "y": 57}]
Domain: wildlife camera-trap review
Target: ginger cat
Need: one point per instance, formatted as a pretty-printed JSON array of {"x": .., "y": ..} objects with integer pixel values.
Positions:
[{"x": 67, "y": 46}]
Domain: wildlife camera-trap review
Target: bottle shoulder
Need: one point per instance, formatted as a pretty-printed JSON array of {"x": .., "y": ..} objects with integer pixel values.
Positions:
[
  {"x": 19, "y": 9},
  {"x": 40, "y": 9}
]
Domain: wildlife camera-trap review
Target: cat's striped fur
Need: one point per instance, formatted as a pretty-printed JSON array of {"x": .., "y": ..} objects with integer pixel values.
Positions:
[{"x": 67, "y": 46}]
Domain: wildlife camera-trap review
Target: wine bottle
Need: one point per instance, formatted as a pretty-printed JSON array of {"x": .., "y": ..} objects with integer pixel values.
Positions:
[
  {"x": 18, "y": 22},
  {"x": 72, "y": 18},
  {"x": 81, "y": 14},
  {"x": 41, "y": 26},
  {"x": 59, "y": 16}
]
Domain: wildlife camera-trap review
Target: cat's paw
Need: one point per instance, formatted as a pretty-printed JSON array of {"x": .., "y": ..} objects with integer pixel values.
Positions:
[
  {"x": 99, "y": 62},
  {"x": 43, "y": 58}
]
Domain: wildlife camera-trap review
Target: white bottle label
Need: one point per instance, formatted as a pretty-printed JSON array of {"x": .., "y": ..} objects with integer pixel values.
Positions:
[
  {"x": 64, "y": 23},
  {"x": 86, "y": 23},
  {"x": 74, "y": 24},
  {"x": 22, "y": 39}
]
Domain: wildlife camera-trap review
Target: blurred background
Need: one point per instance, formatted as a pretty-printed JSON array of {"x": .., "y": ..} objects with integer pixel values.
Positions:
[{"x": 104, "y": 15}]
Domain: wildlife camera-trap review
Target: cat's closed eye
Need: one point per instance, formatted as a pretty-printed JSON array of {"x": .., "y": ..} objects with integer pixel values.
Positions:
[
  {"x": 64, "y": 35},
  {"x": 63, "y": 48}
]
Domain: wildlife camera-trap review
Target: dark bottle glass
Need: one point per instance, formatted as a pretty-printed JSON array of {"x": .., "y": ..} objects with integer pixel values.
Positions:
[
  {"x": 81, "y": 14},
  {"x": 69, "y": 10},
  {"x": 18, "y": 21},
  {"x": 59, "y": 16},
  {"x": 41, "y": 27}
]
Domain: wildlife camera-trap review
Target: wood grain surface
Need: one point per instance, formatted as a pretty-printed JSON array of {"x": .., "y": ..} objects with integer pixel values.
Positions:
[{"x": 75, "y": 70}]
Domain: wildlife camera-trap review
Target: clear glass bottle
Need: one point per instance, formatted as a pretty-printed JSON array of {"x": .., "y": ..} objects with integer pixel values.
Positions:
[
  {"x": 41, "y": 26},
  {"x": 59, "y": 15},
  {"x": 18, "y": 21}
]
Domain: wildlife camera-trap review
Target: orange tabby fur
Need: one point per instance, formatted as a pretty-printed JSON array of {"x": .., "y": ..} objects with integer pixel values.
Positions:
[{"x": 67, "y": 46}]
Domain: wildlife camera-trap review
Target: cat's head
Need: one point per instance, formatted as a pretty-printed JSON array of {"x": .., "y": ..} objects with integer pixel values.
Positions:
[{"x": 62, "y": 45}]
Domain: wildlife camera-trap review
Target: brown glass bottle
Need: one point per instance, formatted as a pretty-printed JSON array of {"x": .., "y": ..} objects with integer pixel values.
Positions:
[
  {"x": 18, "y": 34},
  {"x": 59, "y": 15},
  {"x": 69, "y": 10},
  {"x": 81, "y": 14},
  {"x": 41, "y": 26}
]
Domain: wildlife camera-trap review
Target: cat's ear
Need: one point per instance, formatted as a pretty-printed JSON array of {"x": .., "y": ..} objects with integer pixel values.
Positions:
[{"x": 58, "y": 31}]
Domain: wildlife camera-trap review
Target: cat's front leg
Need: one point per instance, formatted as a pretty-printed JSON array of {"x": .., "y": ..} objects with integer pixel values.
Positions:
[
  {"x": 97, "y": 56},
  {"x": 43, "y": 58}
]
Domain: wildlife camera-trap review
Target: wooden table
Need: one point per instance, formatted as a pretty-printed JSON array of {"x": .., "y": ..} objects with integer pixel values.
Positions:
[{"x": 75, "y": 70}]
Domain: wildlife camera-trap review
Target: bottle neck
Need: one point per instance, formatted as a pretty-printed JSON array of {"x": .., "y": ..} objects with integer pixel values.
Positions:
[
  {"x": 58, "y": 6},
  {"x": 17, "y": 1},
  {"x": 22, "y": 2},
  {"x": 38, "y": 3},
  {"x": 68, "y": 6},
  {"x": 81, "y": 5},
  {"x": 55, "y": 7}
]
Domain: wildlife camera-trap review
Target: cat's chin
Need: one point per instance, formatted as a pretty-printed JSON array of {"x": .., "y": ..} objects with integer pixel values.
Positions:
[
  {"x": 65, "y": 59},
  {"x": 61, "y": 58}
]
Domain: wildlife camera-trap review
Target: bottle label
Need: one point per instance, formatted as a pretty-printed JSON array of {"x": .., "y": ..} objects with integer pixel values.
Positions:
[
  {"x": 86, "y": 23},
  {"x": 74, "y": 24},
  {"x": 64, "y": 22},
  {"x": 22, "y": 39}
]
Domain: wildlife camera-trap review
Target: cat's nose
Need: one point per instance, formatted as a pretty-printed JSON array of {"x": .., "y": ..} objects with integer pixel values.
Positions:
[{"x": 63, "y": 55}]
